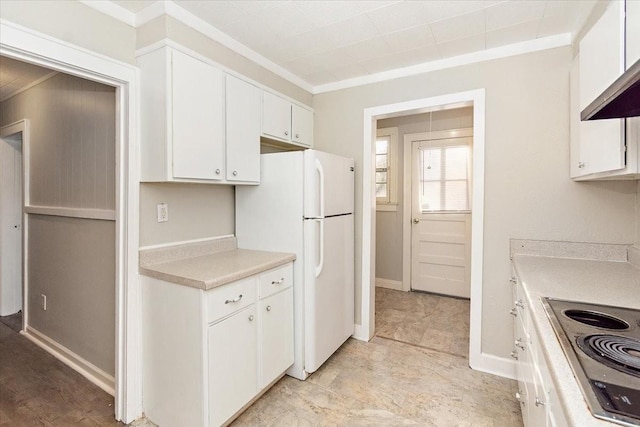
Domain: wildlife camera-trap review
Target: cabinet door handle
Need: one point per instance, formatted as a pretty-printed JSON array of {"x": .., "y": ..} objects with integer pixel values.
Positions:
[
  {"x": 518, "y": 344},
  {"x": 297, "y": 135},
  {"x": 286, "y": 133},
  {"x": 580, "y": 165},
  {"x": 278, "y": 282},
  {"x": 235, "y": 173},
  {"x": 513, "y": 280},
  {"x": 229, "y": 301},
  {"x": 268, "y": 308},
  {"x": 513, "y": 312},
  {"x": 539, "y": 402},
  {"x": 251, "y": 318},
  {"x": 218, "y": 171},
  {"x": 514, "y": 354},
  {"x": 519, "y": 303}
]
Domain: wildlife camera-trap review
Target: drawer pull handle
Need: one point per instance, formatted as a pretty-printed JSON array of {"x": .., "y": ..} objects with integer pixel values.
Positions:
[
  {"x": 513, "y": 280},
  {"x": 268, "y": 308},
  {"x": 539, "y": 402},
  {"x": 513, "y": 312},
  {"x": 514, "y": 354},
  {"x": 519, "y": 344},
  {"x": 251, "y": 318},
  {"x": 234, "y": 300},
  {"x": 519, "y": 303},
  {"x": 278, "y": 282}
]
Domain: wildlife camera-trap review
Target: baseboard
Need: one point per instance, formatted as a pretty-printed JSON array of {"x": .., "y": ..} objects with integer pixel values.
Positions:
[
  {"x": 91, "y": 372},
  {"x": 389, "y": 284},
  {"x": 495, "y": 365}
]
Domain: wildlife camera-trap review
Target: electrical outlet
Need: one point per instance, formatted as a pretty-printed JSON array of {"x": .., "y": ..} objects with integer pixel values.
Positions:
[
  {"x": 163, "y": 212},
  {"x": 44, "y": 301}
]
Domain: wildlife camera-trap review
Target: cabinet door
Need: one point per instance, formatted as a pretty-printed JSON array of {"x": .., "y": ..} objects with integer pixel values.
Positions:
[
  {"x": 301, "y": 126},
  {"x": 233, "y": 370},
  {"x": 601, "y": 63},
  {"x": 197, "y": 135},
  {"x": 632, "y": 32},
  {"x": 243, "y": 130},
  {"x": 276, "y": 335},
  {"x": 276, "y": 117}
]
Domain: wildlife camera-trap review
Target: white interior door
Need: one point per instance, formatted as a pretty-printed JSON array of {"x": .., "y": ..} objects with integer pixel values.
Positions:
[
  {"x": 11, "y": 225},
  {"x": 441, "y": 216}
]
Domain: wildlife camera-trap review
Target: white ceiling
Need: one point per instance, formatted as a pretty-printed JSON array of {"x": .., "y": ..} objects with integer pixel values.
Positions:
[
  {"x": 16, "y": 75},
  {"x": 328, "y": 41}
]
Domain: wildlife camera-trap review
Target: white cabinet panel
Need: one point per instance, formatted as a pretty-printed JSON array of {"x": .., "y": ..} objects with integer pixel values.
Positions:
[
  {"x": 276, "y": 117},
  {"x": 632, "y": 32},
  {"x": 198, "y": 126},
  {"x": 232, "y": 365},
  {"x": 276, "y": 335},
  {"x": 301, "y": 125},
  {"x": 243, "y": 130}
]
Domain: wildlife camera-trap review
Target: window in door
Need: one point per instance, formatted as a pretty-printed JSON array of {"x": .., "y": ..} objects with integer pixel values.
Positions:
[
  {"x": 386, "y": 169},
  {"x": 444, "y": 176}
]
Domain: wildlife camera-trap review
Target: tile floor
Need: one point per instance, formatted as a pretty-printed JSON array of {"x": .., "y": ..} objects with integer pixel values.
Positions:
[{"x": 387, "y": 382}]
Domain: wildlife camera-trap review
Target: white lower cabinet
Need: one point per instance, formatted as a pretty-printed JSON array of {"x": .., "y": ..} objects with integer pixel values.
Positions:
[
  {"x": 536, "y": 392},
  {"x": 208, "y": 354}
]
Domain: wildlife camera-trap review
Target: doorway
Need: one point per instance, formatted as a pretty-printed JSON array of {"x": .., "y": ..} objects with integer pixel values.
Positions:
[
  {"x": 11, "y": 225},
  {"x": 476, "y": 99}
]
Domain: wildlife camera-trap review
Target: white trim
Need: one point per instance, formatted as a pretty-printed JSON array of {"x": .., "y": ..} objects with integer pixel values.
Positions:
[
  {"x": 30, "y": 85},
  {"x": 392, "y": 165},
  {"x": 185, "y": 242},
  {"x": 25, "y": 44},
  {"x": 406, "y": 188},
  {"x": 360, "y": 333},
  {"x": 88, "y": 370},
  {"x": 172, "y": 9},
  {"x": 529, "y": 46},
  {"x": 495, "y": 365},
  {"x": 389, "y": 284},
  {"x": 102, "y": 214},
  {"x": 477, "y": 359},
  {"x": 113, "y": 10}
]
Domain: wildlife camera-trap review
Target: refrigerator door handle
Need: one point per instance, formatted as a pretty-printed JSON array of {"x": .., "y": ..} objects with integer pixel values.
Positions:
[
  {"x": 320, "y": 265},
  {"x": 321, "y": 184}
]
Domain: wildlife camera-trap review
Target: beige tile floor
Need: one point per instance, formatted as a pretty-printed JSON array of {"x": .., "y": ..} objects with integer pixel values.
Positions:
[
  {"x": 390, "y": 383},
  {"x": 427, "y": 320}
]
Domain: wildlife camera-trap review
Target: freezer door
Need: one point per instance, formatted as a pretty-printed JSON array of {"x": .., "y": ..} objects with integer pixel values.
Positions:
[
  {"x": 328, "y": 184},
  {"x": 329, "y": 287}
]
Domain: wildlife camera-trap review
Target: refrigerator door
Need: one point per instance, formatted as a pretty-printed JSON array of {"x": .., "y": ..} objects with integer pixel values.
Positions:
[
  {"x": 329, "y": 287},
  {"x": 328, "y": 184}
]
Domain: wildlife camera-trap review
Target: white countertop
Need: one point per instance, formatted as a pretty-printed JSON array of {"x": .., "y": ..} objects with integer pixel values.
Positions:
[{"x": 601, "y": 282}]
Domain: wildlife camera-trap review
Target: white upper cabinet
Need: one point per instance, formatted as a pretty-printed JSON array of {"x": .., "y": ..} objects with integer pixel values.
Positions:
[
  {"x": 603, "y": 148},
  {"x": 243, "y": 130},
  {"x": 632, "y": 32},
  {"x": 198, "y": 123},
  {"x": 301, "y": 125},
  {"x": 285, "y": 121}
]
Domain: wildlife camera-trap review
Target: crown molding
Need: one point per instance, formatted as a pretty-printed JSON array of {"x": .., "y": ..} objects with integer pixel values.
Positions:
[{"x": 536, "y": 45}]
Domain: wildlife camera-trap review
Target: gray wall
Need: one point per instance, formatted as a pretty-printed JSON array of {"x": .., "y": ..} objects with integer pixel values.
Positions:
[
  {"x": 389, "y": 224},
  {"x": 528, "y": 193},
  {"x": 71, "y": 260}
]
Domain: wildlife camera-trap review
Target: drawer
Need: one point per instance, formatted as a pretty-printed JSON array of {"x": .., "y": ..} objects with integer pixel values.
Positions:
[
  {"x": 230, "y": 298},
  {"x": 276, "y": 280}
]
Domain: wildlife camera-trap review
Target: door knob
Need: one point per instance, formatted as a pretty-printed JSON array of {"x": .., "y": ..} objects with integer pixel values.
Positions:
[{"x": 416, "y": 220}]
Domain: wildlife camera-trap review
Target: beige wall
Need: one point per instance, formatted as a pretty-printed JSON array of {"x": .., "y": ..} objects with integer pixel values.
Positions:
[
  {"x": 168, "y": 27},
  {"x": 389, "y": 224},
  {"x": 71, "y": 260},
  {"x": 75, "y": 23},
  {"x": 528, "y": 193},
  {"x": 195, "y": 211}
]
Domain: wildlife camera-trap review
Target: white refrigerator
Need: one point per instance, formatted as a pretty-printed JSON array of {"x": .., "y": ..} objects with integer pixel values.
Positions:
[{"x": 304, "y": 205}]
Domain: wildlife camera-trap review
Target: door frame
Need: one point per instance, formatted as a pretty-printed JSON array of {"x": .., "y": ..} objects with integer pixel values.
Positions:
[
  {"x": 406, "y": 188},
  {"x": 475, "y": 98},
  {"x": 22, "y": 127},
  {"x": 23, "y": 44}
]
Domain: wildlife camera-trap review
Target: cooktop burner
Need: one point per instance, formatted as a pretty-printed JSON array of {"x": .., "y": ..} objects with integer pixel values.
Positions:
[
  {"x": 621, "y": 353},
  {"x": 602, "y": 345}
]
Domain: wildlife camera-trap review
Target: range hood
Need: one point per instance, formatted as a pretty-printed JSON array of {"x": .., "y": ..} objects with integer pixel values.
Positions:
[{"x": 621, "y": 99}]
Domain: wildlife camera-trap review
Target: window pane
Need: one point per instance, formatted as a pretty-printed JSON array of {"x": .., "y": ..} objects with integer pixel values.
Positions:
[
  {"x": 381, "y": 177},
  {"x": 456, "y": 162},
  {"x": 381, "y": 161},
  {"x": 430, "y": 164},
  {"x": 430, "y": 196},
  {"x": 382, "y": 146},
  {"x": 457, "y": 196},
  {"x": 381, "y": 190}
]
